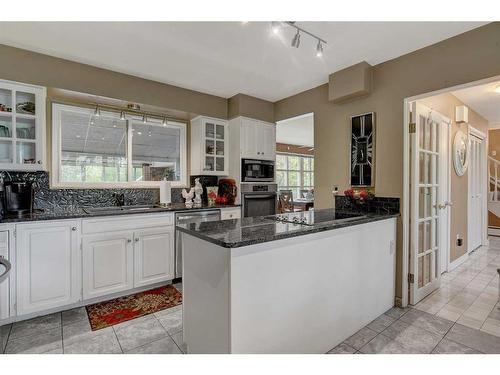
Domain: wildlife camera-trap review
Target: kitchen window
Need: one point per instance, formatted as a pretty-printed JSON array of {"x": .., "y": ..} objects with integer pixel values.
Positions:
[
  {"x": 294, "y": 172},
  {"x": 105, "y": 151}
]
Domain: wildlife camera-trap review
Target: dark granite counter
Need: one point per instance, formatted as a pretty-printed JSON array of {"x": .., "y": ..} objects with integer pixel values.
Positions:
[
  {"x": 69, "y": 212},
  {"x": 254, "y": 230}
]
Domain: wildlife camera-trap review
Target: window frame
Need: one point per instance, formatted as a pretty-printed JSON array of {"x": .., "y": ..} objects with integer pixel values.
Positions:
[
  {"x": 57, "y": 109},
  {"x": 301, "y": 171}
]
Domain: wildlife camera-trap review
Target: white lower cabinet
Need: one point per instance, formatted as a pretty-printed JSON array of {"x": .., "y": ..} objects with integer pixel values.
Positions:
[
  {"x": 230, "y": 213},
  {"x": 107, "y": 264},
  {"x": 47, "y": 265},
  {"x": 153, "y": 256}
]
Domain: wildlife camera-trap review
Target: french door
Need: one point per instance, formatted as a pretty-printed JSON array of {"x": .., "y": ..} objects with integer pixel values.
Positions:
[
  {"x": 429, "y": 199},
  {"x": 476, "y": 187}
]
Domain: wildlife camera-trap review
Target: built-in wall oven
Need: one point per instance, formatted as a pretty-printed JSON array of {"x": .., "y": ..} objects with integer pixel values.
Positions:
[
  {"x": 258, "y": 199},
  {"x": 257, "y": 170}
]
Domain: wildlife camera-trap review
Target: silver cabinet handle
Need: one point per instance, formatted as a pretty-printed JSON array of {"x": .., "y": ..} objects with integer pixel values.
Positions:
[
  {"x": 137, "y": 239},
  {"x": 129, "y": 240},
  {"x": 73, "y": 229},
  {"x": 7, "y": 266}
]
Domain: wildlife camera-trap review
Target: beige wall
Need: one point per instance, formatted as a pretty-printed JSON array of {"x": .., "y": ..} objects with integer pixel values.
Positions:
[
  {"x": 445, "y": 104},
  {"x": 35, "y": 68},
  {"x": 467, "y": 57},
  {"x": 249, "y": 106}
]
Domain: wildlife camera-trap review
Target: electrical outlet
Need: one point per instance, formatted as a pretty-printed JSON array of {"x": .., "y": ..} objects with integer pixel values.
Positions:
[
  {"x": 459, "y": 240},
  {"x": 335, "y": 190}
]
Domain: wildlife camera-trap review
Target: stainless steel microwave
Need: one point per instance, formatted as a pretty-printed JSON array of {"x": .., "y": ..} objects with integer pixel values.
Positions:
[{"x": 257, "y": 170}]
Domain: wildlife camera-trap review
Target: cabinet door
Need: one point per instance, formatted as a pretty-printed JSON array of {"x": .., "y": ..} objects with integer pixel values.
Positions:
[
  {"x": 267, "y": 133},
  {"x": 230, "y": 213},
  {"x": 248, "y": 138},
  {"x": 4, "y": 285},
  {"x": 107, "y": 264},
  {"x": 47, "y": 265},
  {"x": 153, "y": 256},
  {"x": 215, "y": 146}
]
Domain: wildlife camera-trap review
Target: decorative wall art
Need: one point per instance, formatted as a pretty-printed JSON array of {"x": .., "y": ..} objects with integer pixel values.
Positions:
[
  {"x": 460, "y": 153},
  {"x": 363, "y": 149}
]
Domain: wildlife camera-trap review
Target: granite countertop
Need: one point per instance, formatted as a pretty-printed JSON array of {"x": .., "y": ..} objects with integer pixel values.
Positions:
[
  {"x": 253, "y": 230},
  {"x": 60, "y": 213}
]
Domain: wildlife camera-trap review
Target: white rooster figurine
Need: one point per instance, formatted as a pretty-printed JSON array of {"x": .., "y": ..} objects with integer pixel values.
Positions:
[{"x": 188, "y": 197}]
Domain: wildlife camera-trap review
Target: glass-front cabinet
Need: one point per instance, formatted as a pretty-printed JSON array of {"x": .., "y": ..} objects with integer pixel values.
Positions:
[
  {"x": 22, "y": 126},
  {"x": 209, "y": 146}
]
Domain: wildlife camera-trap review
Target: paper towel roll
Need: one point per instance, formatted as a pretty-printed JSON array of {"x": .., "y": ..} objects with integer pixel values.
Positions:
[{"x": 165, "y": 192}]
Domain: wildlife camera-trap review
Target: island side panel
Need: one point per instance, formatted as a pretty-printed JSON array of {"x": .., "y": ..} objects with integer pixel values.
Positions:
[
  {"x": 205, "y": 285},
  {"x": 307, "y": 294}
]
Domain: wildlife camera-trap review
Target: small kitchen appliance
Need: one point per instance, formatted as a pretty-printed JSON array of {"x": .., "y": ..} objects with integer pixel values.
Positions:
[{"x": 18, "y": 197}]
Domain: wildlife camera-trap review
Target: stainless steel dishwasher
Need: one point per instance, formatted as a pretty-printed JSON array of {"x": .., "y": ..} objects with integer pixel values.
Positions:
[{"x": 185, "y": 217}]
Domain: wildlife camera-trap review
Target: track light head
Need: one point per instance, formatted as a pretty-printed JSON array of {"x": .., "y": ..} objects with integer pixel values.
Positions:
[
  {"x": 164, "y": 121},
  {"x": 122, "y": 116},
  {"x": 144, "y": 119},
  {"x": 296, "y": 40},
  {"x": 275, "y": 27},
  {"x": 97, "y": 111},
  {"x": 319, "y": 49}
]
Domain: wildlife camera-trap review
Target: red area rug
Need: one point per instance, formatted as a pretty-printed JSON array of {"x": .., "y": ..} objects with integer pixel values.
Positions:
[{"x": 118, "y": 310}]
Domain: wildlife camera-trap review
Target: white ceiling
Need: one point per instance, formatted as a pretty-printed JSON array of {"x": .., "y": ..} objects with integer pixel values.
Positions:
[
  {"x": 483, "y": 99},
  {"x": 227, "y": 58},
  {"x": 296, "y": 131}
]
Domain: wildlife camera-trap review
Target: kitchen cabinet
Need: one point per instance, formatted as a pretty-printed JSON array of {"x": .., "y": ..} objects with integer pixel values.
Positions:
[
  {"x": 153, "y": 256},
  {"x": 209, "y": 146},
  {"x": 107, "y": 263},
  {"x": 4, "y": 285},
  {"x": 48, "y": 271},
  {"x": 22, "y": 126},
  {"x": 230, "y": 213},
  {"x": 258, "y": 139}
]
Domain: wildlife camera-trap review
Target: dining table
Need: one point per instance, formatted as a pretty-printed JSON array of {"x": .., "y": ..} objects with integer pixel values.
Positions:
[{"x": 305, "y": 203}]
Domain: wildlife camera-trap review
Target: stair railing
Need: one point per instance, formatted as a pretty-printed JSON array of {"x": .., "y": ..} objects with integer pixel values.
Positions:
[{"x": 493, "y": 172}]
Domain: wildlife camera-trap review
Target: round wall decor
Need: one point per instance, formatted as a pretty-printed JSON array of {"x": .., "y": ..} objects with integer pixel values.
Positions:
[{"x": 461, "y": 153}]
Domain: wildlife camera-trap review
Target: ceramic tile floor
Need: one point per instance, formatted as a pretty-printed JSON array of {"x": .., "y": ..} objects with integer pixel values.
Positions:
[
  {"x": 69, "y": 332},
  {"x": 463, "y": 316}
]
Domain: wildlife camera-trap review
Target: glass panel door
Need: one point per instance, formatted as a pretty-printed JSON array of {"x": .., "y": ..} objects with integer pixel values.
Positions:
[
  {"x": 425, "y": 205},
  {"x": 6, "y": 148}
]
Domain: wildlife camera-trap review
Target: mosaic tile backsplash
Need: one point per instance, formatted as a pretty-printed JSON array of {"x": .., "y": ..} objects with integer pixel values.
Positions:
[{"x": 46, "y": 198}]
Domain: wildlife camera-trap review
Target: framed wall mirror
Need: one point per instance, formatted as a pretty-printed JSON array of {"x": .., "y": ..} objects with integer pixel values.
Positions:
[{"x": 362, "y": 163}]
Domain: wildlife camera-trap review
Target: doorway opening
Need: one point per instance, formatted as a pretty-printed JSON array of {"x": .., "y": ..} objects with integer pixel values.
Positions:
[
  {"x": 295, "y": 163},
  {"x": 450, "y": 188}
]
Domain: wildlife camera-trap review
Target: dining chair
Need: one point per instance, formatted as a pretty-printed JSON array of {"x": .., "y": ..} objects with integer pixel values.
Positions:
[{"x": 285, "y": 202}]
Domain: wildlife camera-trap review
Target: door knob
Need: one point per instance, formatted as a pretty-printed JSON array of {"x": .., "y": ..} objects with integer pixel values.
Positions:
[
  {"x": 441, "y": 206},
  {"x": 129, "y": 240},
  {"x": 73, "y": 229},
  {"x": 137, "y": 239}
]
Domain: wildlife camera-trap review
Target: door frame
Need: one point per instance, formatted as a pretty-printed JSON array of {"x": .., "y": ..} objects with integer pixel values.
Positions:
[
  {"x": 405, "y": 212},
  {"x": 472, "y": 131}
]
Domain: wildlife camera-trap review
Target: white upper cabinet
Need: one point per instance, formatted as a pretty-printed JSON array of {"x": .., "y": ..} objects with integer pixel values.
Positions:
[
  {"x": 258, "y": 139},
  {"x": 48, "y": 265},
  {"x": 22, "y": 126},
  {"x": 209, "y": 146}
]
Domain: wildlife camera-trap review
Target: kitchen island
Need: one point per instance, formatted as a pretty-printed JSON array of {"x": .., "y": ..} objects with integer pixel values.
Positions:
[{"x": 266, "y": 285}]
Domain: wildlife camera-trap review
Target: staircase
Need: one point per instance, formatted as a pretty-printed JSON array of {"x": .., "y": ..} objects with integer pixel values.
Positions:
[{"x": 494, "y": 193}]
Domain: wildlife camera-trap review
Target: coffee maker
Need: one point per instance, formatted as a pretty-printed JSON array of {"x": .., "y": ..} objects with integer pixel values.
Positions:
[{"x": 18, "y": 197}]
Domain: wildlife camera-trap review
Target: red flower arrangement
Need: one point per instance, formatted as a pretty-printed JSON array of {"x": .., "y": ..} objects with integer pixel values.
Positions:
[{"x": 359, "y": 196}]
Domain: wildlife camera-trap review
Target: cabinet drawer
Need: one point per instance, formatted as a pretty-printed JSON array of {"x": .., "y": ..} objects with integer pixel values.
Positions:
[
  {"x": 230, "y": 213},
  {"x": 126, "y": 222}
]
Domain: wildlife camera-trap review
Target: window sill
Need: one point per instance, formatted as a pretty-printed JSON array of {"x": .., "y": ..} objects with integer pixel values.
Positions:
[{"x": 116, "y": 185}]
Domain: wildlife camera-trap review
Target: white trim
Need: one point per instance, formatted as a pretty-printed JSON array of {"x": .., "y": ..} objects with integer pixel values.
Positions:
[
  {"x": 56, "y": 146},
  {"x": 406, "y": 174},
  {"x": 493, "y": 231},
  {"x": 457, "y": 262}
]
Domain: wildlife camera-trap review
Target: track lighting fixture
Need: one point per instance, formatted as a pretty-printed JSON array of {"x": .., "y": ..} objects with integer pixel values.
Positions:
[
  {"x": 319, "y": 49},
  {"x": 164, "y": 121},
  {"x": 97, "y": 111},
  {"x": 276, "y": 26},
  {"x": 144, "y": 119},
  {"x": 122, "y": 116},
  {"x": 296, "y": 40}
]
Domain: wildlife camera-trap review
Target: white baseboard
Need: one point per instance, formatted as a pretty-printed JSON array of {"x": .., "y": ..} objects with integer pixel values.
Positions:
[
  {"x": 457, "y": 262},
  {"x": 494, "y": 231}
]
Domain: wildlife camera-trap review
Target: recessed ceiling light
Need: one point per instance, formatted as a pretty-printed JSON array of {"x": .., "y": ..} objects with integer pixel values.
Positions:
[
  {"x": 139, "y": 133},
  {"x": 275, "y": 27}
]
